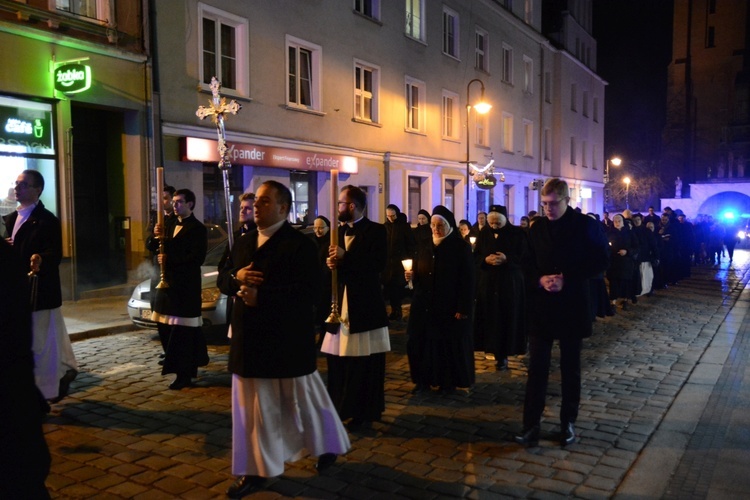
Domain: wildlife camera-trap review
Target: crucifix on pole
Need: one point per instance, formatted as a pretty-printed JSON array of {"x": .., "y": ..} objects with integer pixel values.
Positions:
[{"x": 217, "y": 108}]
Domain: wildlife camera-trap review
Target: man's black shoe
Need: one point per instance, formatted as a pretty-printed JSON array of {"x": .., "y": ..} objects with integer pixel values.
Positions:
[
  {"x": 325, "y": 460},
  {"x": 567, "y": 435},
  {"x": 245, "y": 485},
  {"x": 529, "y": 437},
  {"x": 180, "y": 383}
]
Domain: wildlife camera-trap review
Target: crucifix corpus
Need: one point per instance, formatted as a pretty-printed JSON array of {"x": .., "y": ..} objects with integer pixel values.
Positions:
[{"x": 217, "y": 108}]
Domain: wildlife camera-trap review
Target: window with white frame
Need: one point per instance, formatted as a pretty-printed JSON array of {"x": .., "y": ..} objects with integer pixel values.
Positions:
[
  {"x": 417, "y": 198},
  {"x": 585, "y": 103},
  {"x": 528, "y": 75},
  {"x": 574, "y": 97},
  {"x": 507, "y": 75},
  {"x": 482, "y": 50},
  {"x": 507, "y": 132},
  {"x": 366, "y": 91},
  {"x": 451, "y": 119},
  {"x": 572, "y": 150},
  {"x": 98, "y": 10},
  {"x": 528, "y": 138},
  {"x": 368, "y": 8},
  {"x": 547, "y": 87},
  {"x": 416, "y": 105},
  {"x": 415, "y": 19},
  {"x": 303, "y": 74},
  {"x": 223, "y": 42},
  {"x": 450, "y": 192},
  {"x": 450, "y": 32},
  {"x": 480, "y": 129},
  {"x": 547, "y": 144}
]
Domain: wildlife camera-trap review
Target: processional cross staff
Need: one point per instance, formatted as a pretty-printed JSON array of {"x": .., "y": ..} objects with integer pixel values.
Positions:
[{"x": 217, "y": 108}]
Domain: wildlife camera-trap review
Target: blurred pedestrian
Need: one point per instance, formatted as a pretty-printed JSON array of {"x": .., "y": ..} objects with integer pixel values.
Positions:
[
  {"x": 439, "y": 344},
  {"x": 622, "y": 247},
  {"x": 280, "y": 406},
  {"x": 400, "y": 247},
  {"x": 321, "y": 228},
  {"x": 422, "y": 231},
  {"x": 36, "y": 236},
  {"x": 567, "y": 248}
]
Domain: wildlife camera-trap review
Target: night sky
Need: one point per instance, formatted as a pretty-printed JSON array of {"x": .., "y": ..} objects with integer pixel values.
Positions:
[{"x": 634, "y": 43}]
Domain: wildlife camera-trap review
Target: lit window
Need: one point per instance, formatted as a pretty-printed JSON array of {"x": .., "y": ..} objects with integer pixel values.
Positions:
[
  {"x": 450, "y": 32},
  {"x": 507, "y": 133},
  {"x": 528, "y": 138},
  {"x": 93, "y": 9},
  {"x": 415, "y": 19},
  {"x": 366, "y": 91},
  {"x": 223, "y": 42},
  {"x": 415, "y": 105},
  {"x": 303, "y": 82}
]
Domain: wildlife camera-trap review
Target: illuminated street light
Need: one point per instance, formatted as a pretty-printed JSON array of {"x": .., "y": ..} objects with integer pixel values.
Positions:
[
  {"x": 616, "y": 161},
  {"x": 626, "y": 180},
  {"x": 481, "y": 107}
]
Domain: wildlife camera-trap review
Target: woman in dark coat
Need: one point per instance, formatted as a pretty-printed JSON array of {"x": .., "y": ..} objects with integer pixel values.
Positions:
[
  {"x": 622, "y": 249},
  {"x": 440, "y": 346},
  {"x": 322, "y": 239}
]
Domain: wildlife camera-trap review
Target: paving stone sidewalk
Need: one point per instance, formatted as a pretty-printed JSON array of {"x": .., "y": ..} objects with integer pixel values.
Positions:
[{"x": 122, "y": 434}]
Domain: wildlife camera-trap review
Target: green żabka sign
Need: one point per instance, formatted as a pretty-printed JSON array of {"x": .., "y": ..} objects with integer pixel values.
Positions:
[{"x": 72, "y": 78}]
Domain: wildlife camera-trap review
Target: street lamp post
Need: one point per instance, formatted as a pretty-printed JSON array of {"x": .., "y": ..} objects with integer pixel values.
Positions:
[
  {"x": 626, "y": 180},
  {"x": 481, "y": 107},
  {"x": 616, "y": 161}
]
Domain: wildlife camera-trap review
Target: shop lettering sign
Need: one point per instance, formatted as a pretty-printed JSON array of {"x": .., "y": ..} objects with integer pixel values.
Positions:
[{"x": 72, "y": 78}]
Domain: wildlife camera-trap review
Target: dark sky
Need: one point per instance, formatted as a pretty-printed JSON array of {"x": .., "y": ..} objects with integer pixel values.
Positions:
[{"x": 634, "y": 43}]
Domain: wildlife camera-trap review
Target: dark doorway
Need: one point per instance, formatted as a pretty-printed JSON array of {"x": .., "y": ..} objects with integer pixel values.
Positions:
[{"x": 98, "y": 187}]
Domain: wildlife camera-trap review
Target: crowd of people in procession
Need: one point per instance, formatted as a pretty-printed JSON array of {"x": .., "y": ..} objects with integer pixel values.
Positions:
[{"x": 489, "y": 290}]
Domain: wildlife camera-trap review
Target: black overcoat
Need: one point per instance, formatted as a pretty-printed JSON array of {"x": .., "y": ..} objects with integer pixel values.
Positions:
[
  {"x": 275, "y": 339},
  {"x": 575, "y": 246}
]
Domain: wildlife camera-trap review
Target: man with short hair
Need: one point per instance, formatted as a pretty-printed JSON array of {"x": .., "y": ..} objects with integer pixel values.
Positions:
[
  {"x": 567, "y": 249},
  {"x": 356, "y": 354},
  {"x": 279, "y": 402},
  {"x": 177, "y": 309},
  {"x": 36, "y": 235},
  {"x": 400, "y": 247}
]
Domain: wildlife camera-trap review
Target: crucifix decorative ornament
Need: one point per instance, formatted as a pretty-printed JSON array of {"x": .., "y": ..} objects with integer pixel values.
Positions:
[{"x": 217, "y": 109}]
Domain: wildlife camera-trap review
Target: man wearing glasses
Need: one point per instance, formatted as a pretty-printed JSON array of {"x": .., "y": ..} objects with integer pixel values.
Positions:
[{"x": 567, "y": 248}]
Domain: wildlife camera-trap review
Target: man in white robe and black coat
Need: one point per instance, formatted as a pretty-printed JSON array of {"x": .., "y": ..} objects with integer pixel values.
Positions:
[
  {"x": 280, "y": 406},
  {"x": 356, "y": 353}
]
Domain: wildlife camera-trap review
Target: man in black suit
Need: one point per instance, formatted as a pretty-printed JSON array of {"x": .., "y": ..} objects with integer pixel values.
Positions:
[
  {"x": 177, "y": 309},
  {"x": 567, "y": 248},
  {"x": 356, "y": 354},
  {"x": 36, "y": 235},
  {"x": 279, "y": 402}
]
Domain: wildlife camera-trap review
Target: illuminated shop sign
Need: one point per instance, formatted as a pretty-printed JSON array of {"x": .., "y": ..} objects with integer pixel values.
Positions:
[
  {"x": 27, "y": 127},
  {"x": 72, "y": 78},
  {"x": 194, "y": 149}
]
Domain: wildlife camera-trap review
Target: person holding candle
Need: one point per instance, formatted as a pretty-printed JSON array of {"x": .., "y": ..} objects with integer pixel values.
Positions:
[
  {"x": 400, "y": 246},
  {"x": 280, "y": 406},
  {"x": 356, "y": 354},
  {"x": 440, "y": 345}
]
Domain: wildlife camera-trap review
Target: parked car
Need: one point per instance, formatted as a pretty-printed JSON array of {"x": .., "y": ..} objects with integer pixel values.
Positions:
[{"x": 214, "y": 307}]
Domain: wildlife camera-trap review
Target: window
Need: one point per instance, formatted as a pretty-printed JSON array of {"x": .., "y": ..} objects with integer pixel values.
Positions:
[
  {"x": 573, "y": 97},
  {"x": 450, "y": 194},
  {"x": 572, "y": 150},
  {"x": 415, "y": 105},
  {"x": 528, "y": 138},
  {"x": 480, "y": 129},
  {"x": 507, "y": 133},
  {"x": 528, "y": 75},
  {"x": 92, "y": 9},
  {"x": 584, "y": 158},
  {"x": 368, "y": 8},
  {"x": 417, "y": 197},
  {"x": 711, "y": 37},
  {"x": 596, "y": 109},
  {"x": 547, "y": 87},
  {"x": 451, "y": 119},
  {"x": 450, "y": 32},
  {"x": 594, "y": 163},
  {"x": 366, "y": 91},
  {"x": 585, "y": 103},
  {"x": 415, "y": 19},
  {"x": 528, "y": 11},
  {"x": 547, "y": 144},
  {"x": 223, "y": 42},
  {"x": 507, "y": 76},
  {"x": 482, "y": 50},
  {"x": 303, "y": 74}
]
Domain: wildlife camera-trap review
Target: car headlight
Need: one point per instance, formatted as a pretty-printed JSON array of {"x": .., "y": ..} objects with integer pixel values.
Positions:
[
  {"x": 211, "y": 294},
  {"x": 741, "y": 235}
]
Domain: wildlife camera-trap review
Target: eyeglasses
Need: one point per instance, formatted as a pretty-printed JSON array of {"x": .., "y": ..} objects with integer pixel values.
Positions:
[{"x": 552, "y": 203}]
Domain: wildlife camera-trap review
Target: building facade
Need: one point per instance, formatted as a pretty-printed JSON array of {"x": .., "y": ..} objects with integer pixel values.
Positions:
[
  {"x": 74, "y": 93},
  {"x": 383, "y": 92}
]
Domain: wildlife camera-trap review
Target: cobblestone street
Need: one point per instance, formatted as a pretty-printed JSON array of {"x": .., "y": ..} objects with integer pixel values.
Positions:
[{"x": 122, "y": 434}]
